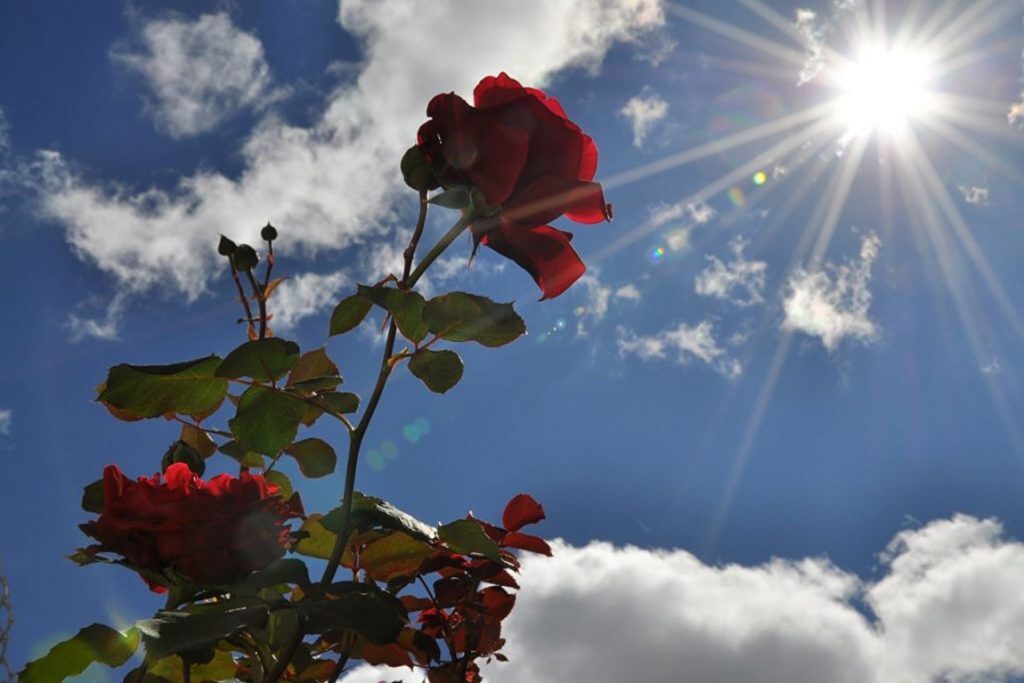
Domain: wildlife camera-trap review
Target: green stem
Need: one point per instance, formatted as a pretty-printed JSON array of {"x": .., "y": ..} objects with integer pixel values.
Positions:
[{"x": 438, "y": 249}]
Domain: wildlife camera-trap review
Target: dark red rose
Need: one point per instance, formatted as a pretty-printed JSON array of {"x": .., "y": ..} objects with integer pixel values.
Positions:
[
  {"x": 213, "y": 532},
  {"x": 518, "y": 148}
]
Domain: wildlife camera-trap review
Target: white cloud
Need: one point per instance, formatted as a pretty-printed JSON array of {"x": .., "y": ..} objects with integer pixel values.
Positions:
[
  {"x": 948, "y": 606},
  {"x": 629, "y": 292},
  {"x": 198, "y": 73},
  {"x": 991, "y": 367},
  {"x": 6, "y": 417},
  {"x": 684, "y": 217},
  {"x": 643, "y": 111},
  {"x": 721, "y": 279},
  {"x": 305, "y": 295},
  {"x": 974, "y": 195},
  {"x": 598, "y": 296},
  {"x": 682, "y": 344},
  {"x": 331, "y": 185},
  {"x": 1015, "y": 116},
  {"x": 104, "y": 327},
  {"x": 832, "y": 303},
  {"x": 814, "y": 38}
]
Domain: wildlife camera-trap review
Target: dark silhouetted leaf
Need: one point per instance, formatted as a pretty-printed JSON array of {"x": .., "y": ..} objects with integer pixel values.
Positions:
[
  {"x": 315, "y": 457},
  {"x": 439, "y": 370},
  {"x": 194, "y": 633},
  {"x": 360, "y": 607},
  {"x": 369, "y": 512},
  {"x": 182, "y": 452},
  {"x": 349, "y": 312},
  {"x": 406, "y": 307},
  {"x": 466, "y": 536},
  {"x": 95, "y": 643},
  {"x": 395, "y": 555},
  {"x": 267, "y": 420},
  {"x": 264, "y": 360},
  {"x": 314, "y": 371},
  {"x": 92, "y": 497},
  {"x": 241, "y": 454},
  {"x": 416, "y": 170},
  {"x": 188, "y": 388},
  {"x": 341, "y": 402},
  {"x": 460, "y": 316},
  {"x": 199, "y": 440}
]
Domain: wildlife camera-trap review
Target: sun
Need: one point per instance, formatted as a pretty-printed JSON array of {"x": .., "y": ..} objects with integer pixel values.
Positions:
[{"x": 883, "y": 90}]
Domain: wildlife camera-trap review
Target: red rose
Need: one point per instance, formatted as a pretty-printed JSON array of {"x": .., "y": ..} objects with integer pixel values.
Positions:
[
  {"x": 213, "y": 532},
  {"x": 519, "y": 149}
]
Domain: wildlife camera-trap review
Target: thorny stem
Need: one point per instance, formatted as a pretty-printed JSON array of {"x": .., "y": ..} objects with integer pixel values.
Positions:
[
  {"x": 437, "y": 250},
  {"x": 258, "y": 293},
  {"x": 338, "y": 668},
  {"x": 186, "y": 672}
]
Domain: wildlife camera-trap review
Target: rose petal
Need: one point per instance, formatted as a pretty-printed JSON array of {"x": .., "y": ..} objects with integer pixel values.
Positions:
[
  {"x": 542, "y": 251},
  {"x": 520, "y": 511},
  {"x": 550, "y": 197}
]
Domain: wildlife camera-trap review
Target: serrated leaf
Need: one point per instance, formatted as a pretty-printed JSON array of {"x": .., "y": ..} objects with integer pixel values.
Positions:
[
  {"x": 466, "y": 536},
  {"x": 267, "y": 420},
  {"x": 315, "y": 457},
  {"x": 405, "y": 307},
  {"x": 369, "y": 512},
  {"x": 193, "y": 634},
  {"x": 241, "y": 454},
  {"x": 341, "y": 402},
  {"x": 439, "y": 370},
  {"x": 460, "y": 316},
  {"x": 349, "y": 312},
  {"x": 319, "y": 541},
  {"x": 188, "y": 388},
  {"x": 95, "y": 643},
  {"x": 264, "y": 360},
  {"x": 394, "y": 555},
  {"x": 313, "y": 366},
  {"x": 199, "y": 440},
  {"x": 359, "y": 607}
]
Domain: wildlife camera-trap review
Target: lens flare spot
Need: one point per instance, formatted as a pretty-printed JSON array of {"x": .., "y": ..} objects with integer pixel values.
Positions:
[
  {"x": 656, "y": 254},
  {"x": 736, "y": 197},
  {"x": 760, "y": 178},
  {"x": 375, "y": 459},
  {"x": 389, "y": 449},
  {"x": 580, "y": 311}
]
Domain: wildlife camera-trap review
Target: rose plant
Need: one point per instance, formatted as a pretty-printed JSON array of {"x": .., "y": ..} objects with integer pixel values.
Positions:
[{"x": 232, "y": 553}]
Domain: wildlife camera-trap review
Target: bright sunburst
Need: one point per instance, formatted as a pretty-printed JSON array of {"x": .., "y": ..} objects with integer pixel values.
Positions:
[{"x": 883, "y": 90}]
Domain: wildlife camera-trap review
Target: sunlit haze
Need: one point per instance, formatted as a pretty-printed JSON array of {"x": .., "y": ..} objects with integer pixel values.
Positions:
[{"x": 883, "y": 90}]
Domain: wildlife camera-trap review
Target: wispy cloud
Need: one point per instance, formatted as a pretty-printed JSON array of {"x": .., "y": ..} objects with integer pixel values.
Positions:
[
  {"x": 643, "y": 112},
  {"x": 1015, "y": 116},
  {"x": 305, "y": 295},
  {"x": 944, "y": 606},
  {"x": 104, "y": 326},
  {"x": 992, "y": 367},
  {"x": 6, "y": 419},
  {"x": 598, "y": 298},
  {"x": 721, "y": 280},
  {"x": 5, "y": 131},
  {"x": 628, "y": 292},
  {"x": 681, "y": 218},
  {"x": 973, "y": 194},
  {"x": 814, "y": 30},
  {"x": 682, "y": 344},
  {"x": 197, "y": 73},
  {"x": 333, "y": 184},
  {"x": 832, "y": 303}
]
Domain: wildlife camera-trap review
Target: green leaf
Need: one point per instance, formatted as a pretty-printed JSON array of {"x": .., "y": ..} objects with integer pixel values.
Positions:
[
  {"x": 395, "y": 555},
  {"x": 405, "y": 307},
  {"x": 315, "y": 457},
  {"x": 466, "y": 536},
  {"x": 221, "y": 668},
  {"x": 264, "y": 360},
  {"x": 95, "y": 643},
  {"x": 314, "y": 371},
  {"x": 319, "y": 541},
  {"x": 284, "y": 570},
  {"x": 456, "y": 198},
  {"x": 267, "y": 419},
  {"x": 282, "y": 482},
  {"x": 439, "y": 370},
  {"x": 360, "y": 607},
  {"x": 459, "y": 316},
  {"x": 246, "y": 257},
  {"x": 199, "y": 440},
  {"x": 93, "y": 497},
  {"x": 341, "y": 402},
  {"x": 182, "y": 452},
  {"x": 188, "y": 388},
  {"x": 241, "y": 454},
  {"x": 369, "y": 512},
  {"x": 194, "y": 633},
  {"x": 349, "y": 312}
]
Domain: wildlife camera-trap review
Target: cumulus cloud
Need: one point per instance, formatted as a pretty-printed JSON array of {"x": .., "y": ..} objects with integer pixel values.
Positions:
[
  {"x": 629, "y": 292},
  {"x": 330, "y": 185},
  {"x": 722, "y": 280},
  {"x": 643, "y": 111},
  {"x": 197, "y": 73},
  {"x": 681, "y": 344},
  {"x": 974, "y": 195},
  {"x": 948, "y": 606},
  {"x": 6, "y": 417},
  {"x": 832, "y": 303},
  {"x": 305, "y": 295},
  {"x": 682, "y": 218}
]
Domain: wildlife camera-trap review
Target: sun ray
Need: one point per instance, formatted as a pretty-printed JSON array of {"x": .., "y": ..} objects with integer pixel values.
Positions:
[
  {"x": 736, "y": 34},
  {"x": 969, "y": 27},
  {"x": 972, "y": 148},
  {"x": 708, "y": 149}
]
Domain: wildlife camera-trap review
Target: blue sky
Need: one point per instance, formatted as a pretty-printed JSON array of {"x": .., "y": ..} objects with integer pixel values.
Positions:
[{"x": 786, "y": 397}]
